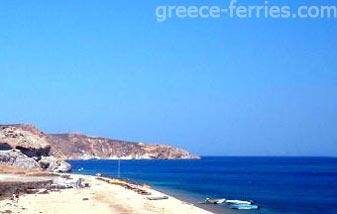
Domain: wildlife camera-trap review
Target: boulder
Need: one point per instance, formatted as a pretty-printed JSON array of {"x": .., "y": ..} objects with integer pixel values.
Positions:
[
  {"x": 52, "y": 164},
  {"x": 62, "y": 166}
]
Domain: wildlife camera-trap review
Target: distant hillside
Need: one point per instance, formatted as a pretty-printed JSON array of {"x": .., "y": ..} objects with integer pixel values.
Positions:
[{"x": 34, "y": 143}]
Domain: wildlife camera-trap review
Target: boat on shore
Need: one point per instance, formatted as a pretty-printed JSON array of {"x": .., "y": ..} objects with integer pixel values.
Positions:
[
  {"x": 213, "y": 201},
  {"x": 232, "y": 204},
  {"x": 239, "y": 202}
]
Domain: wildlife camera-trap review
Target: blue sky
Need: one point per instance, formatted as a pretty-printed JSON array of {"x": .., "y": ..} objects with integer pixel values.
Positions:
[{"x": 213, "y": 86}]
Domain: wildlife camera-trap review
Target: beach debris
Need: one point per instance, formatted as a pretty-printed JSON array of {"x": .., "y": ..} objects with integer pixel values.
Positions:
[
  {"x": 15, "y": 197},
  {"x": 78, "y": 183},
  {"x": 59, "y": 186},
  {"x": 42, "y": 191},
  {"x": 157, "y": 197},
  {"x": 64, "y": 183},
  {"x": 138, "y": 188},
  {"x": 36, "y": 191},
  {"x": 85, "y": 199}
]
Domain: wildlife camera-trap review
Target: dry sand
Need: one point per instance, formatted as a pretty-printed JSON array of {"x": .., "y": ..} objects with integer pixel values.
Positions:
[{"x": 99, "y": 198}]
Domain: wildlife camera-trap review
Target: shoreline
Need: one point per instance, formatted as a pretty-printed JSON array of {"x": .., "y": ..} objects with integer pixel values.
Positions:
[{"x": 100, "y": 197}]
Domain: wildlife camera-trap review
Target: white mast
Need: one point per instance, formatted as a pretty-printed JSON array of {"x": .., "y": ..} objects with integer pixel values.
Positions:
[{"x": 119, "y": 168}]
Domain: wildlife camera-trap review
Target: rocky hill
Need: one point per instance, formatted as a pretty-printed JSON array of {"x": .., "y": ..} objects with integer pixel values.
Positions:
[
  {"x": 48, "y": 151},
  {"x": 79, "y": 146}
]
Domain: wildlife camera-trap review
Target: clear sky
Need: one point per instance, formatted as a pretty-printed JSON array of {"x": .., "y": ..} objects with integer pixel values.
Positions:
[{"x": 212, "y": 86}]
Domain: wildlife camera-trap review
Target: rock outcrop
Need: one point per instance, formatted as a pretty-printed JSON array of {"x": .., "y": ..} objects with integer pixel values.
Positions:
[
  {"x": 17, "y": 159},
  {"x": 26, "y": 138},
  {"x": 27, "y": 147}
]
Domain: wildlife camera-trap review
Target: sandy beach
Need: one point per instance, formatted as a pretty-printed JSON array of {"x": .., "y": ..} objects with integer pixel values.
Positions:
[{"x": 101, "y": 197}]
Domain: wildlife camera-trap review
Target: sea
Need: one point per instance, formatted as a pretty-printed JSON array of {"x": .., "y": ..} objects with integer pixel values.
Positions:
[{"x": 291, "y": 185}]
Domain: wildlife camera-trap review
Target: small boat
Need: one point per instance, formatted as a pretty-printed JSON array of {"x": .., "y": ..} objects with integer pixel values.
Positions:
[
  {"x": 214, "y": 201},
  {"x": 239, "y": 202},
  {"x": 244, "y": 206}
]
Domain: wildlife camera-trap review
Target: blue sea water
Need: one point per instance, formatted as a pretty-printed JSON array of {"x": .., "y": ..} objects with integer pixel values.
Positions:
[{"x": 292, "y": 185}]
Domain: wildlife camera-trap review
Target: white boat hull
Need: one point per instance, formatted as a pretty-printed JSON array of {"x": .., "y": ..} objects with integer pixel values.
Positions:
[{"x": 239, "y": 202}]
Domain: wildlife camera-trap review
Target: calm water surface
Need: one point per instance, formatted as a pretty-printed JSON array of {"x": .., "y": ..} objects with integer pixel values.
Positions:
[{"x": 293, "y": 185}]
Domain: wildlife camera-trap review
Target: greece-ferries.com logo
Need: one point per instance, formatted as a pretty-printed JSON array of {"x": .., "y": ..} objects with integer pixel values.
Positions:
[{"x": 234, "y": 10}]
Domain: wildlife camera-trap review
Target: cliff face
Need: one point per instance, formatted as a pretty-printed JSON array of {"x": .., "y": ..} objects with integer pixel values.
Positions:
[
  {"x": 38, "y": 145},
  {"x": 27, "y": 138}
]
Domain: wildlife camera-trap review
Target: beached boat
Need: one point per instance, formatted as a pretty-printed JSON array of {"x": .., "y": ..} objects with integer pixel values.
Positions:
[
  {"x": 239, "y": 202},
  {"x": 214, "y": 201},
  {"x": 244, "y": 206}
]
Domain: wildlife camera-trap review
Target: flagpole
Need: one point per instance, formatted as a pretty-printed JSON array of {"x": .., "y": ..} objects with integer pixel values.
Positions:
[{"x": 119, "y": 168}]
